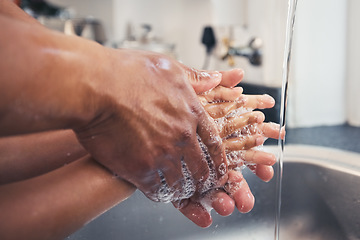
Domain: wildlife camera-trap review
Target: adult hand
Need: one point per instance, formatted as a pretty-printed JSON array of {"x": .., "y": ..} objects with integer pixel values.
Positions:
[
  {"x": 148, "y": 129},
  {"x": 250, "y": 132},
  {"x": 244, "y": 129},
  {"x": 135, "y": 112}
]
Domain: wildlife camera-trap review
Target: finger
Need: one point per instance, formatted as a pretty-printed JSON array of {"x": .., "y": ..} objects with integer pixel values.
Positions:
[
  {"x": 282, "y": 132},
  {"x": 239, "y": 190},
  {"x": 218, "y": 110},
  {"x": 251, "y": 156},
  {"x": 208, "y": 133},
  {"x": 150, "y": 191},
  {"x": 203, "y": 81},
  {"x": 259, "y": 157},
  {"x": 165, "y": 187},
  {"x": 195, "y": 165},
  {"x": 272, "y": 130},
  {"x": 232, "y": 78},
  {"x": 234, "y": 124},
  {"x": 195, "y": 212},
  {"x": 257, "y": 101},
  {"x": 222, "y": 203},
  {"x": 221, "y": 93},
  {"x": 264, "y": 172},
  {"x": 244, "y": 143},
  {"x": 174, "y": 186}
]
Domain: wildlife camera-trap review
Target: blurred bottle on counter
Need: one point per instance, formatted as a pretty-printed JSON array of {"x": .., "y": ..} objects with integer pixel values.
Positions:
[{"x": 64, "y": 19}]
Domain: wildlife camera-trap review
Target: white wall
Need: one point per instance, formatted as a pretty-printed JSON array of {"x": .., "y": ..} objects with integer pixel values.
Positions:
[
  {"x": 325, "y": 80},
  {"x": 173, "y": 21},
  {"x": 182, "y": 21},
  {"x": 317, "y": 87},
  {"x": 353, "y": 70}
]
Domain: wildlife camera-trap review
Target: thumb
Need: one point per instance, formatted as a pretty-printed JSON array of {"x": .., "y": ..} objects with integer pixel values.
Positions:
[{"x": 203, "y": 81}]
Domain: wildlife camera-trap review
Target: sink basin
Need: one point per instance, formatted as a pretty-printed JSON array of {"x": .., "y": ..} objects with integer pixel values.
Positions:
[{"x": 320, "y": 200}]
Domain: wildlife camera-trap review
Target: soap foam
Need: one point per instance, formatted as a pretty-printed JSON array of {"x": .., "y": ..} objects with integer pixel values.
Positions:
[
  {"x": 209, "y": 183},
  {"x": 165, "y": 193},
  {"x": 171, "y": 194}
]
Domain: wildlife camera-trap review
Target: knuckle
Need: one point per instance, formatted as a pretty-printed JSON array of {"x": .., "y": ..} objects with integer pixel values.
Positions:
[
  {"x": 228, "y": 128},
  {"x": 223, "y": 112},
  {"x": 186, "y": 135},
  {"x": 197, "y": 109}
]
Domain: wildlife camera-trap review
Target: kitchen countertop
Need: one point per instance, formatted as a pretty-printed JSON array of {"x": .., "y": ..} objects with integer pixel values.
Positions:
[{"x": 342, "y": 137}]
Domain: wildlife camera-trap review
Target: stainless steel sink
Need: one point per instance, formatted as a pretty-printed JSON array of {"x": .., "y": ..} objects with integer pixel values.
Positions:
[{"x": 321, "y": 200}]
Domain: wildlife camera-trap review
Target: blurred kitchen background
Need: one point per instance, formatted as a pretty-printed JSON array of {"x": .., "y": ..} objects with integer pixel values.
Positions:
[{"x": 250, "y": 34}]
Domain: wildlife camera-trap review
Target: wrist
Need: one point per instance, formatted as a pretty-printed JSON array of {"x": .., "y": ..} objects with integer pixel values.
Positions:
[
  {"x": 47, "y": 80},
  {"x": 76, "y": 65}
]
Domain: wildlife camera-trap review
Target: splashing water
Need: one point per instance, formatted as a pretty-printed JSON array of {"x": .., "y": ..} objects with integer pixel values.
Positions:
[{"x": 284, "y": 95}]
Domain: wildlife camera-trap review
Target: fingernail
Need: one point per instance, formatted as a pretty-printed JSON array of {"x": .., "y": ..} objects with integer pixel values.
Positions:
[
  {"x": 260, "y": 117},
  {"x": 270, "y": 98},
  {"x": 240, "y": 89}
]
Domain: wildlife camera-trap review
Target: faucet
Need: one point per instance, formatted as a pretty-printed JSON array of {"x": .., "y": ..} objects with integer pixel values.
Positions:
[{"x": 252, "y": 51}]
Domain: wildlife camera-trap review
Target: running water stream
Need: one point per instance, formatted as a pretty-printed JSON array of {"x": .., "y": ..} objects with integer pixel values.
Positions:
[{"x": 284, "y": 95}]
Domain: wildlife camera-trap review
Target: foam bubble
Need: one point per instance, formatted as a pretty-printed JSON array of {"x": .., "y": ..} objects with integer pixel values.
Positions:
[
  {"x": 165, "y": 193},
  {"x": 233, "y": 187},
  {"x": 189, "y": 185},
  {"x": 235, "y": 158},
  {"x": 206, "y": 203},
  {"x": 209, "y": 183}
]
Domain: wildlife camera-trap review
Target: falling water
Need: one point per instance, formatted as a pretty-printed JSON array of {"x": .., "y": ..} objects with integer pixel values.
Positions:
[{"x": 284, "y": 95}]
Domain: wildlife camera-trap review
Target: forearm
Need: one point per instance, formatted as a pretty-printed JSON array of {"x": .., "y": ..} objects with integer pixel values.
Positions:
[
  {"x": 26, "y": 156},
  {"x": 56, "y": 204},
  {"x": 46, "y": 78}
]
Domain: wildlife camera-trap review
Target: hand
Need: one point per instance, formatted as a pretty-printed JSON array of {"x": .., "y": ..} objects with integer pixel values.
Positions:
[
  {"x": 236, "y": 191},
  {"x": 244, "y": 128},
  {"x": 136, "y": 113},
  {"x": 151, "y": 117}
]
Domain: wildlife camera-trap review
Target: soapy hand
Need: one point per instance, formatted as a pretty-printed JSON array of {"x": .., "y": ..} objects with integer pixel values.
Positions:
[
  {"x": 242, "y": 129},
  {"x": 136, "y": 113},
  {"x": 148, "y": 130}
]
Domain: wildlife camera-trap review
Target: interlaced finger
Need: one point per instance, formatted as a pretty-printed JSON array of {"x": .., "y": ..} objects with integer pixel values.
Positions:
[
  {"x": 257, "y": 101},
  {"x": 243, "y": 143},
  {"x": 263, "y": 172},
  {"x": 236, "y": 123},
  {"x": 239, "y": 190},
  {"x": 221, "y": 93},
  {"x": 209, "y": 135}
]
